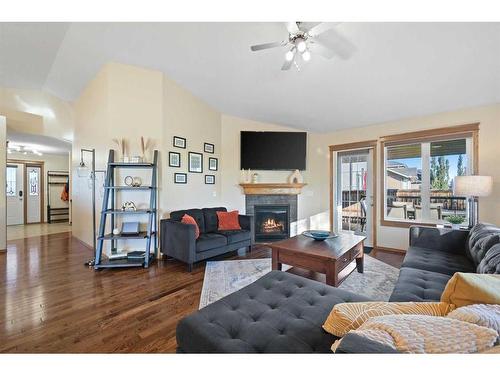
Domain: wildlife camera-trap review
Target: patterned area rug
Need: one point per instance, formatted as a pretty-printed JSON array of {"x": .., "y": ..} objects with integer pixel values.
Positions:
[{"x": 225, "y": 277}]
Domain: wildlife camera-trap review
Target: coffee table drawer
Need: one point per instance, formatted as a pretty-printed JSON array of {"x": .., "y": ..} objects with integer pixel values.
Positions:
[{"x": 343, "y": 261}]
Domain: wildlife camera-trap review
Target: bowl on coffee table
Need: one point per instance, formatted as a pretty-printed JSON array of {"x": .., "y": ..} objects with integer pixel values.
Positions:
[{"x": 319, "y": 235}]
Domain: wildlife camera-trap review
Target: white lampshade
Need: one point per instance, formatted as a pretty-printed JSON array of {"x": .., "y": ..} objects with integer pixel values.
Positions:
[{"x": 472, "y": 186}]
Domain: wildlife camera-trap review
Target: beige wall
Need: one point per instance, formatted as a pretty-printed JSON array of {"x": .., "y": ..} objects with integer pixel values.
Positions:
[
  {"x": 37, "y": 112},
  {"x": 188, "y": 117},
  {"x": 50, "y": 163},
  {"x": 312, "y": 212},
  {"x": 3, "y": 201},
  {"x": 489, "y": 138},
  {"x": 120, "y": 102}
]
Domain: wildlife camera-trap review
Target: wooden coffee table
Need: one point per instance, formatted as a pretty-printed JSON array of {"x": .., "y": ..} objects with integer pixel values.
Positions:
[{"x": 329, "y": 257}]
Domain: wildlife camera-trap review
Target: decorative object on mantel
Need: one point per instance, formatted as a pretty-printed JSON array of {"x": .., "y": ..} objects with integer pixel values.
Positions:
[
  {"x": 248, "y": 176},
  {"x": 116, "y": 231},
  {"x": 122, "y": 146},
  {"x": 295, "y": 178},
  {"x": 255, "y": 178},
  {"x": 272, "y": 189},
  {"x": 136, "y": 159},
  {"x": 129, "y": 206}
]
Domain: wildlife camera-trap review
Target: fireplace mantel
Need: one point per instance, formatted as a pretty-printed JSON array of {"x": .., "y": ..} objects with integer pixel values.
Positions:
[{"x": 272, "y": 189}]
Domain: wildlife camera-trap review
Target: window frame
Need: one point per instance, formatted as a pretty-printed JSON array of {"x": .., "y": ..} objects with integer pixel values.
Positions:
[{"x": 465, "y": 131}]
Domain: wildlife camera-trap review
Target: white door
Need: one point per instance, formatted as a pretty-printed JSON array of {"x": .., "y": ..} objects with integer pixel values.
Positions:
[
  {"x": 14, "y": 189},
  {"x": 354, "y": 196},
  {"x": 33, "y": 194}
]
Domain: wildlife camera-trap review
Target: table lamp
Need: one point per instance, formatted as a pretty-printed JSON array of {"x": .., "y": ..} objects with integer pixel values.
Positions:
[{"x": 472, "y": 187}]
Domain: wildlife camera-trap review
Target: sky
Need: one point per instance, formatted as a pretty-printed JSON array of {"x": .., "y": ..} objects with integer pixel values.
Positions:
[{"x": 417, "y": 162}]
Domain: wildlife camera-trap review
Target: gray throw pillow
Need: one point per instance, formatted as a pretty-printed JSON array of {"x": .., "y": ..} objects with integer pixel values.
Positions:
[{"x": 491, "y": 261}]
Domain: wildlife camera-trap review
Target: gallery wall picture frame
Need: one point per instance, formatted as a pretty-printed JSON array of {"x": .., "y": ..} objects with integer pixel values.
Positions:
[
  {"x": 195, "y": 162},
  {"x": 179, "y": 142},
  {"x": 180, "y": 178},
  {"x": 174, "y": 159},
  {"x": 213, "y": 164},
  {"x": 209, "y": 179},
  {"x": 209, "y": 148}
]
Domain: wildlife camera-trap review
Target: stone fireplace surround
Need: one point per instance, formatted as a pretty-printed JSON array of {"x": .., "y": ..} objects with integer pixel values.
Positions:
[{"x": 273, "y": 200}]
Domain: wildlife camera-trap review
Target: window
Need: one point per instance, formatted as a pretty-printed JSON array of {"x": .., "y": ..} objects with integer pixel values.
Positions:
[
  {"x": 419, "y": 174},
  {"x": 11, "y": 181},
  {"x": 33, "y": 182}
]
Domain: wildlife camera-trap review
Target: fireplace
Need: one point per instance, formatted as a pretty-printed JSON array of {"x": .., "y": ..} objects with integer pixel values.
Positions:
[{"x": 271, "y": 222}]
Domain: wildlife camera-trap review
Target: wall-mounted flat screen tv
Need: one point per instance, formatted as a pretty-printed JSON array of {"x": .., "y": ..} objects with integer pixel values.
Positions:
[{"x": 273, "y": 150}]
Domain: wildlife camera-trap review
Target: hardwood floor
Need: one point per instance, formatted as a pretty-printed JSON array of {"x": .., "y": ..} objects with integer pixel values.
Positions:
[{"x": 52, "y": 303}]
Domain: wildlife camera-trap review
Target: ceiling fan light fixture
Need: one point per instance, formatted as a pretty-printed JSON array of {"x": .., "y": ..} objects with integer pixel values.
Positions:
[
  {"x": 289, "y": 56},
  {"x": 300, "y": 44},
  {"x": 306, "y": 56}
]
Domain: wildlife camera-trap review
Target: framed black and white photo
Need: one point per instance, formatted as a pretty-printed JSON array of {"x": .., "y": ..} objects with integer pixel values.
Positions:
[
  {"x": 180, "y": 178},
  {"x": 213, "y": 164},
  {"x": 209, "y": 148},
  {"x": 195, "y": 162},
  {"x": 179, "y": 142},
  {"x": 174, "y": 159},
  {"x": 209, "y": 179}
]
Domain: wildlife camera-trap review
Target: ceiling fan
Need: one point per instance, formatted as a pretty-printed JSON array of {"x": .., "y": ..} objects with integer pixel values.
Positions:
[{"x": 302, "y": 41}]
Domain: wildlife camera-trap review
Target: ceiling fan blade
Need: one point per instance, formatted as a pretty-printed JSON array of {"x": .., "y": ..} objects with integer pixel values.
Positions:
[
  {"x": 287, "y": 65},
  {"x": 319, "y": 48},
  {"x": 292, "y": 27},
  {"x": 321, "y": 27},
  {"x": 337, "y": 43},
  {"x": 259, "y": 47}
]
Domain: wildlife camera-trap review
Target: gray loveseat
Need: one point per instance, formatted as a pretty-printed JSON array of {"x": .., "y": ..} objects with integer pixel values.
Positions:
[
  {"x": 178, "y": 239},
  {"x": 284, "y": 313}
]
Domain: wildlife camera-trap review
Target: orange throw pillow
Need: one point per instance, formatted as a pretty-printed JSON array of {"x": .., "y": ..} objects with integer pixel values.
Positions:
[
  {"x": 186, "y": 219},
  {"x": 228, "y": 220}
]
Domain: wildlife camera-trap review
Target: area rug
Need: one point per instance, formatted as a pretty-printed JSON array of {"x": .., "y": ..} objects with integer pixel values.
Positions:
[{"x": 225, "y": 277}]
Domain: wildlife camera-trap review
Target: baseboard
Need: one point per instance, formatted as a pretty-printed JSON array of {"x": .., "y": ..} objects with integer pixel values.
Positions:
[
  {"x": 82, "y": 243},
  {"x": 388, "y": 250}
]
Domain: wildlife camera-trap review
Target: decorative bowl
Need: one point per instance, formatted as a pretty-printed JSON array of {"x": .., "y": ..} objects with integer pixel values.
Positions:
[{"x": 319, "y": 235}]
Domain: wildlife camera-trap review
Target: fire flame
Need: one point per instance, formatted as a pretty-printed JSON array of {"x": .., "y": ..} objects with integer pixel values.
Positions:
[{"x": 271, "y": 225}]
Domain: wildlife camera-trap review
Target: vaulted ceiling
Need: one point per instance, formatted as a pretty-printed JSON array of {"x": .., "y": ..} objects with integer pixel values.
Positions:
[{"x": 399, "y": 70}]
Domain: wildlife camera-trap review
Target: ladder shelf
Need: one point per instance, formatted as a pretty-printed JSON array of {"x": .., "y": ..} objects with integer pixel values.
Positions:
[{"x": 110, "y": 210}]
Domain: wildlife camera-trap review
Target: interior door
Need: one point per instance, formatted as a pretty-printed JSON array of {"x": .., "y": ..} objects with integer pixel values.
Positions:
[
  {"x": 354, "y": 197},
  {"x": 33, "y": 194},
  {"x": 15, "y": 194}
]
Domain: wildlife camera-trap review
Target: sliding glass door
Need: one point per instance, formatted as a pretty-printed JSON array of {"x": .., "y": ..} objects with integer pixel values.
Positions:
[{"x": 354, "y": 203}]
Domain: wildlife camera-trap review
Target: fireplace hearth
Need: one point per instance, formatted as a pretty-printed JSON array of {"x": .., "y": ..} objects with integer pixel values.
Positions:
[{"x": 271, "y": 222}]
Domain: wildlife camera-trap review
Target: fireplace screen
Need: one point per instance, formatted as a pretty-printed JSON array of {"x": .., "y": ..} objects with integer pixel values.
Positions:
[{"x": 271, "y": 223}]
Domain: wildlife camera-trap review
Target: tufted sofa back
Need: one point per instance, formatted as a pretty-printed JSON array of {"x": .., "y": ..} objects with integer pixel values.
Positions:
[{"x": 481, "y": 238}]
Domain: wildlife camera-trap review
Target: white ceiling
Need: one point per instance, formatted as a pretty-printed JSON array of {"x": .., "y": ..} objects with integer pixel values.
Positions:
[
  {"x": 399, "y": 70},
  {"x": 40, "y": 143}
]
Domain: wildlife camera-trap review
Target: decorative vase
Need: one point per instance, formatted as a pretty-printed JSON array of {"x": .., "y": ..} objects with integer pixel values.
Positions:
[
  {"x": 455, "y": 226},
  {"x": 295, "y": 178},
  {"x": 255, "y": 178}
]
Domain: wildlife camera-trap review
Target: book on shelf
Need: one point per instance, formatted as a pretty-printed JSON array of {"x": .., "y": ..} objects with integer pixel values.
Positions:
[
  {"x": 117, "y": 255},
  {"x": 136, "y": 254}
]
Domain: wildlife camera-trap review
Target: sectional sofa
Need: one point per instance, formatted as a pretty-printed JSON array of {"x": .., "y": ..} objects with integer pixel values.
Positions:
[{"x": 284, "y": 313}]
